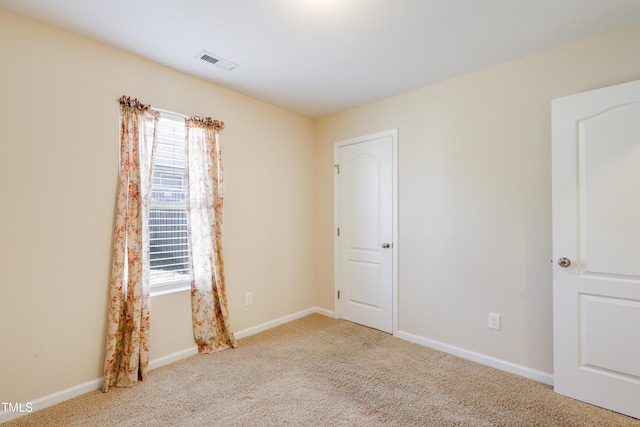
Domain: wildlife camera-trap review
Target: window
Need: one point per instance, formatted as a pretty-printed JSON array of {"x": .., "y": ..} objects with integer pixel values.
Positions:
[{"x": 169, "y": 263}]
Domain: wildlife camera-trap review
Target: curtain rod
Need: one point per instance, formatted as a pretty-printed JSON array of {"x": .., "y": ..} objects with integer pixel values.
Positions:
[{"x": 206, "y": 121}]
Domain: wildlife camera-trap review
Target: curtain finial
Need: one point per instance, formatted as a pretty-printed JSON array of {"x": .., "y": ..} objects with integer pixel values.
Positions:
[
  {"x": 208, "y": 121},
  {"x": 128, "y": 101}
]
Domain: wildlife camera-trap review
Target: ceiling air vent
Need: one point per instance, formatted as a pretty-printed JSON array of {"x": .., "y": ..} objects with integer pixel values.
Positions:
[{"x": 216, "y": 60}]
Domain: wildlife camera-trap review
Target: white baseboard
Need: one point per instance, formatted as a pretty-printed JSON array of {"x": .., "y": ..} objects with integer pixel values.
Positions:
[
  {"x": 503, "y": 365},
  {"x": 281, "y": 321},
  {"x": 173, "y": 357},
  {"x": 53, "y": 398},
  {"x": 89, "y": 386}
]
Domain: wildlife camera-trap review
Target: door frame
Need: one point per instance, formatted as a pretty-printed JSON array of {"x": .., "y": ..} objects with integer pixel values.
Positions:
[{"x": 393, "y": 133}]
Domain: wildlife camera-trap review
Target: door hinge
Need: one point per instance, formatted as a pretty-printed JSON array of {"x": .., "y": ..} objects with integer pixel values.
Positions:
[
  {"x": 337, "y": 165},
  {"x": 338, "y": 294},
  {"x": 338, "y": 231}
]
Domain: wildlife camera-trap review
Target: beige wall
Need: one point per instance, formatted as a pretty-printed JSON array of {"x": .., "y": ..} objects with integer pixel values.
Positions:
[
  {"x": 59, "y": 121},
  {"x": 475, "y": 195}
]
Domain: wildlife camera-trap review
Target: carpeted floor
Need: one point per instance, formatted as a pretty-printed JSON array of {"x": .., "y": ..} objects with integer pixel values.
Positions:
[{"x": 319, "y": 371}]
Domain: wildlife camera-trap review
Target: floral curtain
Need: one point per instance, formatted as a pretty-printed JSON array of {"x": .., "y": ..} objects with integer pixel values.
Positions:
[
  {"x": 127, "y": 349},
  {"x": 204, "y": 212}
]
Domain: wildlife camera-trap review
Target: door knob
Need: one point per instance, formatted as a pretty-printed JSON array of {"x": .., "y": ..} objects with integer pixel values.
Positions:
[
  {"x": 386, "y": 245},
  {"x": 564, "y": 262}
]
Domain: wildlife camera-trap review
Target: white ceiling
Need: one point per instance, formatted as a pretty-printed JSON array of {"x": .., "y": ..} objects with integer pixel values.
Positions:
[{"x": 317, "y": 57}]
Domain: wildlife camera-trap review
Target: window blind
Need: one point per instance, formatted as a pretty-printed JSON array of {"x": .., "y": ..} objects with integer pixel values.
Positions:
[{"x": 168, "y": 215}]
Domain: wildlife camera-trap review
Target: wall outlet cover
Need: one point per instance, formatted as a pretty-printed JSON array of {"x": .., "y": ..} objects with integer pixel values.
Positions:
[{"x": 494, "y": 321}]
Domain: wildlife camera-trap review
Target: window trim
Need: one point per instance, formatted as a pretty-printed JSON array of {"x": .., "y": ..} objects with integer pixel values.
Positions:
[{"x": 169, "y": 287}]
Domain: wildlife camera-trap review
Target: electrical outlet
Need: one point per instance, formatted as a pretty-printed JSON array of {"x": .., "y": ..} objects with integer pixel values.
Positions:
[
  {"x": 248, "y": 299},
  {"x": 494, "y": 321}
]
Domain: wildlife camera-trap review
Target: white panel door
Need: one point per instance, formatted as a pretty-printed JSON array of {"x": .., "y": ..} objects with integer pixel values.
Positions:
[
  {"x": 596, "y": 247},
  {"x": 364, "y": 217}
]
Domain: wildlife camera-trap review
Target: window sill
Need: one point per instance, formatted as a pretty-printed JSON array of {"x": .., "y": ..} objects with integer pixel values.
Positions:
[{"x": 169, "y": 288}]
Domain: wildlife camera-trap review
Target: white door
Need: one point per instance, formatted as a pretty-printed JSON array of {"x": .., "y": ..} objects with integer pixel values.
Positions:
[
  {"x": 596, "y": 238},
  {"x": 365, "y": 232}
]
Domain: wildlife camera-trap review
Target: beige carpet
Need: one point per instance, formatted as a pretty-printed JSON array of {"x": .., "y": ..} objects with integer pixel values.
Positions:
[{"x": 319, "y": 371}]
